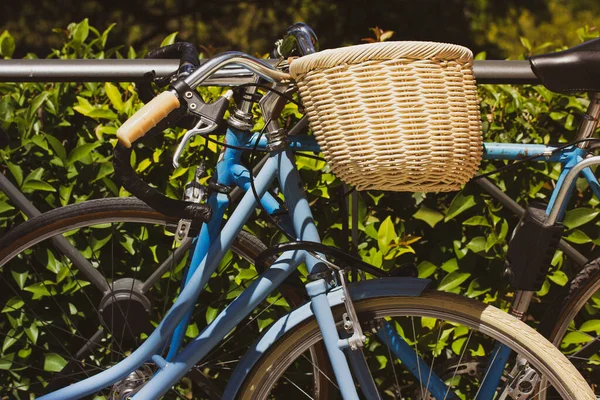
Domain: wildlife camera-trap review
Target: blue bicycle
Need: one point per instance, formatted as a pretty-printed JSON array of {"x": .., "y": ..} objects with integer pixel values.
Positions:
[{"x": 354, "y": 332}]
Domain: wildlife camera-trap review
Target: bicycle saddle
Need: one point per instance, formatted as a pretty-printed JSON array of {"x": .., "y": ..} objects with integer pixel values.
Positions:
[{"x": 573, "y": 70}]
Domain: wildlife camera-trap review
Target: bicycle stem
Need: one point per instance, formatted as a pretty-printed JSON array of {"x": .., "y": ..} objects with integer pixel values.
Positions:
[{"x": 255, "y": 65}]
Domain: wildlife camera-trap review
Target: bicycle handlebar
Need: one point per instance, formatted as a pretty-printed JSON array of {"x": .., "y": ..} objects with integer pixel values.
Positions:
[
  {"x": 152, "y": 113},
  {"x": 219, "y": 61}
]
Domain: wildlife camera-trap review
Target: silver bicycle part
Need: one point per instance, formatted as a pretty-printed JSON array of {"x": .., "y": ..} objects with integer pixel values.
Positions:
[
  {"x": 255, "y": 65},
  {"x": 271, "y": 105},
  {"x": 277, "y": 140},
  {"x": 521, "y": 303},
  {"x": 522, "y": 383},
  {"x": 204, "y": 126},
  {"x": 351, "y": 322},
  {"x": 589, "y": 122},
  {"x": 566, "y": 185},
  {"x": 183, "y": 230},
  {"x": 128, "y": 387},
  {"x": 194, "y": 192},
  {"x": 242, "y": 118}
]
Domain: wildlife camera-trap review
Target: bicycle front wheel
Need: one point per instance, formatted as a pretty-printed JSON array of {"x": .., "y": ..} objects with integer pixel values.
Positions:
[{"x": 454, "y": 339}]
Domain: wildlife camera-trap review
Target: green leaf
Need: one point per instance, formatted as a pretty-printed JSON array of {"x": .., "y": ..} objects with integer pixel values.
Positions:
[
  {"x": 429, "y": 216},
  {"x": 477, "y": 244},
  {"x": 143, "y": 165},
  {"x": 450, "y": 266},
  {"x": 65, "y": 194},
  {"x": 477, "y": 220},
  {"x": 577, "y": 338},
  {"x": 127, "y": 243},
  {"x": 54, "y": 362},
  {"x": 80, "y": 33},
  {"x": 32, "y": 333},
  {"x": 211, "y": 314},
  {"x": 36, "y": 174},
  {"x": 6, "y": 361},
  {"x": 192, "y": 330},
  {"x": 579, "y": 216},
  {"x": 426, "y": 269},
  {"x": 458, "y": 344},
  {"x": 453, "y": 280},
  {"x": 578, "y": 237},
  {"x": 10, "y": 339},
  {"x": 38, "y": 101},
  {"x": 114, "y": 95},
  {"x": 169, "y": 39},
  {"x": 459, "y": 204},
  {"x": 13, "y": 304},
  {"x": 40, "y": 289},
  {"x": 16, "y": 171},
  {"x": 428, "y": 323},
  {"x": 4, "y": 206},
  {"x": 525, "y": 43},
  {"x": 20, "y": 278},
  {"x": 7, "y": 45},
  {"x": 106, "y": 169},
  {"x": 559, "y": 277},
  {"x": 81, "y": 151},
  {"x": 34, "y": 184},
  {"x": 386, "y": 234},
  {"x": 102, "y": 113},
  {"x": 475, "y": 290},
  {"x": 84, "y": 106},
  {"x": 57, "y": 146},
  {"x": 264, "y": 323},
  {"x": 592, "y": 325}
]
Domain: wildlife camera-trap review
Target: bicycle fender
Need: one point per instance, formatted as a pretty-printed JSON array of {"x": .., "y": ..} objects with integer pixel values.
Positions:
[{"x": 385, "y": 287}]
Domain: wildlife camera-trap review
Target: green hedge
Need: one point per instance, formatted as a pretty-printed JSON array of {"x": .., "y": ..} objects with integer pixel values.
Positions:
[{"x": 62, "y": 135}]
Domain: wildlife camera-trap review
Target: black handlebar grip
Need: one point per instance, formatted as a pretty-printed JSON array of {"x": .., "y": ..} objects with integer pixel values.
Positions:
[
  {"x": 188, "y": 61},
  {"x": 149, "y": 195}
]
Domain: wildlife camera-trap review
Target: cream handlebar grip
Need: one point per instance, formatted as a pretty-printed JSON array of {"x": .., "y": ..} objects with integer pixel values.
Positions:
[{"x": 147, "y": 118}]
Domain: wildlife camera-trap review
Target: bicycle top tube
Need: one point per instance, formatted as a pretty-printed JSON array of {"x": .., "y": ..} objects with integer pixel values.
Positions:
[{"x": 491, "y": 151}]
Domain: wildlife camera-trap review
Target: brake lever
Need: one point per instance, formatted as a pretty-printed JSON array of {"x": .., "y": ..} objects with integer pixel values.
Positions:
[
  {"x": 209, "y": 115},
  {"x": 195, "y": 131}
]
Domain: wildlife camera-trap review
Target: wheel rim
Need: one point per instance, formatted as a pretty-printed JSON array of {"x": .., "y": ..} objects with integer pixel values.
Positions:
[{"x": 276, "y": 373}]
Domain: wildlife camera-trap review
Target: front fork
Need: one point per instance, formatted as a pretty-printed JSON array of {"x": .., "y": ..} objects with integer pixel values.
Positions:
[{"x": 306, "y": 230}]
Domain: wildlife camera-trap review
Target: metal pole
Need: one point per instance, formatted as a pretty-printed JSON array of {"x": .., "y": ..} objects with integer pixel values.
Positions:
[
  {"x": 62, "y": 244},
  {"x": 125, "y": 70}
]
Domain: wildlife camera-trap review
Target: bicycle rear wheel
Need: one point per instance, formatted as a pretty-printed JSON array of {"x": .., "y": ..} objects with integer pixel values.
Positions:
[
  {"x": 61, "y": 325},
  {"x": 445, "y": 329},
  {"x": 576, "y": 324}
]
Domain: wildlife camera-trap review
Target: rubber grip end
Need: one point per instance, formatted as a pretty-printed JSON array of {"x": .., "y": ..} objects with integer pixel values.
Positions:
[{"x": 147, "y": 118}]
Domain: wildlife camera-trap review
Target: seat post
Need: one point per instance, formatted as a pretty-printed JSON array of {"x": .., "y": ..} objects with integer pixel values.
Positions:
[{"x": 590, "y": 120}]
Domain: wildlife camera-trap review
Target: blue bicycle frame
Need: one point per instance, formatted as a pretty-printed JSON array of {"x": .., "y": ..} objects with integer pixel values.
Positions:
[{"x": 214, "y": 241}]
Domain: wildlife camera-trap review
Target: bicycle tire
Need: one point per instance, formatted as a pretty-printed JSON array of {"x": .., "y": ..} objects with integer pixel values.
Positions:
[
  {"x": 581, "y": 289},
  {"x": 264, "y": 375},
  {"x": 114, "y": 210}
]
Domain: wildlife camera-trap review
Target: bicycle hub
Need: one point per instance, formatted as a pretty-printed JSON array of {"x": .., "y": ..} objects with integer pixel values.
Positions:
[{"x": 125, "y": 310}]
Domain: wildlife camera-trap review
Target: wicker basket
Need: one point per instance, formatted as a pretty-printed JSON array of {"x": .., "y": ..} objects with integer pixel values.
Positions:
[{"x": 399, "y": 116}]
